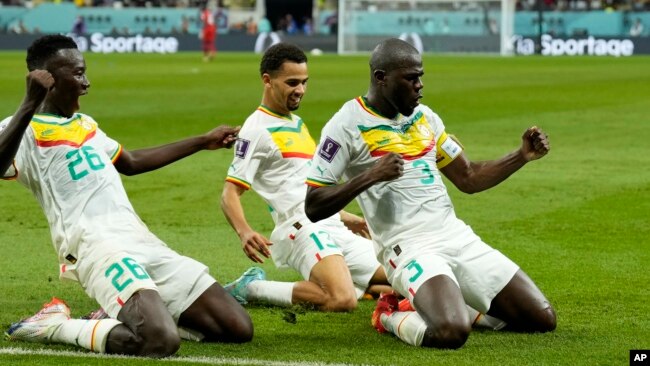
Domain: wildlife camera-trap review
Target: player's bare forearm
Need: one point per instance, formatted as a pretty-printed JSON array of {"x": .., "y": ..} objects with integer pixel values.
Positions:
[
  {"x": 323, "y": 202},
  {"x": 232, "y": 208},
  {"x": 148, "y": 159},
  {"x": 252, "y": 242},
  {"x": 472, "y": 177}
]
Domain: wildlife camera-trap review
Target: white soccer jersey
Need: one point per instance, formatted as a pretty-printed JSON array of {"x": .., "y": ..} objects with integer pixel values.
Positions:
[
  {"x": 413, "y": 207},
  {"x": 272, "y": 155},
  {"x": 67, "y": 163}
]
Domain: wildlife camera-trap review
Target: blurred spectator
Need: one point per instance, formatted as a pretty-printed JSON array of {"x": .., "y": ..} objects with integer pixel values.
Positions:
[
  {"x": 307, "y": 26},
  {"x": 251, "y": 26},
  {"x": 221, "y": 19},
  {"x": 292, "y": 27},
  {"x": 264, "y": 25},
  {"x": 79, "y": 26},
  {"x": 19, "y": 28},
  {"x": 637, "y": 28},
  {"x": 493, "y": 26},
  {"x": 429, "y": 26},
  {"x": 281, "y": 26},
  {"x": 445, "y": 26},
  {"x": 185, "y": 25},
  {"x": 332, "y": 22}
]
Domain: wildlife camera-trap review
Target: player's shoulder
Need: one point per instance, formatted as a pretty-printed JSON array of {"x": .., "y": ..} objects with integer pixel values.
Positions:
[
  {"x": 425, "y": 109},
  {"x": 352, "y": 105},
  {"x": 85, "y": 118},
  {"x": 429, "y": 113},
  {"x": 255, "y": 123},
  {"x": 254, "y": 129},
  {"x": 347, "y": 113}
]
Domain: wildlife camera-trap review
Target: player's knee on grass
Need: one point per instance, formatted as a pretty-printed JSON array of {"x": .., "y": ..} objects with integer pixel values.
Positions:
[
  {"x": 236, "y": 327},
  {"x": 340, "y": 303},
  {"x": 150, "y": 341},
  {"x": 218, "y": 317},
  {"x": 543, "y": 320},
  {"x": 242, "y": 332},
  {"x": 448, "y": 335}
]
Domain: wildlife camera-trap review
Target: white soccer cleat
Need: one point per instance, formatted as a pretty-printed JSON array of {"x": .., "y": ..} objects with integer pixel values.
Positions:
[{"x": 41, "y": 326}]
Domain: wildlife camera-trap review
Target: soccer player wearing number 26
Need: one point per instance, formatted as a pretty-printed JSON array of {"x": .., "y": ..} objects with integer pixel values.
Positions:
[
  {"x": 72, "y": 167},
  {"x": 390, "y": 151}
]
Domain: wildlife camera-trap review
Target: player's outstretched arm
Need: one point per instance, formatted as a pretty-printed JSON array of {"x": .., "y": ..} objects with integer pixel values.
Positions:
[
  {"x": 39, "y": 83},
  {"x": 253, "y": 243},
  {"x": 323, "y": 202},
  {"x": 472, "y": 177},
  {"x": 144, "y": 160}
]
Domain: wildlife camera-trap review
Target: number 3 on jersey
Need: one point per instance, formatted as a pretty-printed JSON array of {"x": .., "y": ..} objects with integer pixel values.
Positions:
[
  {"x": 78, "y": 156},
  {"x": 426, "y": 169}
]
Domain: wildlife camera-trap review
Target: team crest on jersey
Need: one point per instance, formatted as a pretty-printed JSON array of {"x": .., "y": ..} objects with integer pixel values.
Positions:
[
  {"x": 86, "y": 125},
  {"x": 328, "y": 149},
  {"x": 241, "y": 148}
]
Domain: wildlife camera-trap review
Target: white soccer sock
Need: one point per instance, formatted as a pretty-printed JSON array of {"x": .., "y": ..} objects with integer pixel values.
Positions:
[
  {"x": 274, "y": 292},
  {"x": 89, "y": 334},
  {"x": 359, "y": 291},
  {"x": 406, "y": 325},
  {"x": 190, "y": 334},
  {"x": 484, "y": 320}
]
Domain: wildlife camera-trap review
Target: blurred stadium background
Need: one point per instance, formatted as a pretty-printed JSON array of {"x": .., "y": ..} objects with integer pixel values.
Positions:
[
  {"x": 439, "y": 25},
  {"x": 576, "y": 221}
]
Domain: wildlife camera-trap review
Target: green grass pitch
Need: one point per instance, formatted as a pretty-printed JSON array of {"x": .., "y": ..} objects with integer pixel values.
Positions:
[{"x": 576, "y": 221}]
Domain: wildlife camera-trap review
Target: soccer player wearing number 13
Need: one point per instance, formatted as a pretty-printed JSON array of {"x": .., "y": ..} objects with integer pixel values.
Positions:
[
  {"x": 389, "y": 150},
  {"x": 72, "y": 168}
]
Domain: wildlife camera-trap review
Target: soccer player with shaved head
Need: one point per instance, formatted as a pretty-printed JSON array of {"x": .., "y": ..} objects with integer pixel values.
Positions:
[{"x": 389, "y": 151}]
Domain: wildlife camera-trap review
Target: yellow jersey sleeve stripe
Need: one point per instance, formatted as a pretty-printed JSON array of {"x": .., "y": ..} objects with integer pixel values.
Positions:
[
  {"x": 238, "y": 182},
  {"x": 316, "y": 183},
  {"x": 116, "y": 155}
]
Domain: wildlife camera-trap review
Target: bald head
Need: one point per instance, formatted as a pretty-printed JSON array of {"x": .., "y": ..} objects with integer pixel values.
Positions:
[
  {"x": 392, "y": 54},
  {"x": 395, "y": 78}
]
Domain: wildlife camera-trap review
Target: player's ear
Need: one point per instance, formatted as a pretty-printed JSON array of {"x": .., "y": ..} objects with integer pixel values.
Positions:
[
  {"x": 380, "y": 76},
  {"x": 266, "y": 78}
]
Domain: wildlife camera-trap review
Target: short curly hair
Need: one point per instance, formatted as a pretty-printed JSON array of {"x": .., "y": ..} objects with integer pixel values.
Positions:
[
  {"x": 278, "y": 54},
  {"x": 45, "y": 47}
]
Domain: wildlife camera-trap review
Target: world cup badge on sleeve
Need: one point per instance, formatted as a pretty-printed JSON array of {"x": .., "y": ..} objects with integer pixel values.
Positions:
[
  {"x": 328, "y": 149},
  {"x": 241, "y": 148}
]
